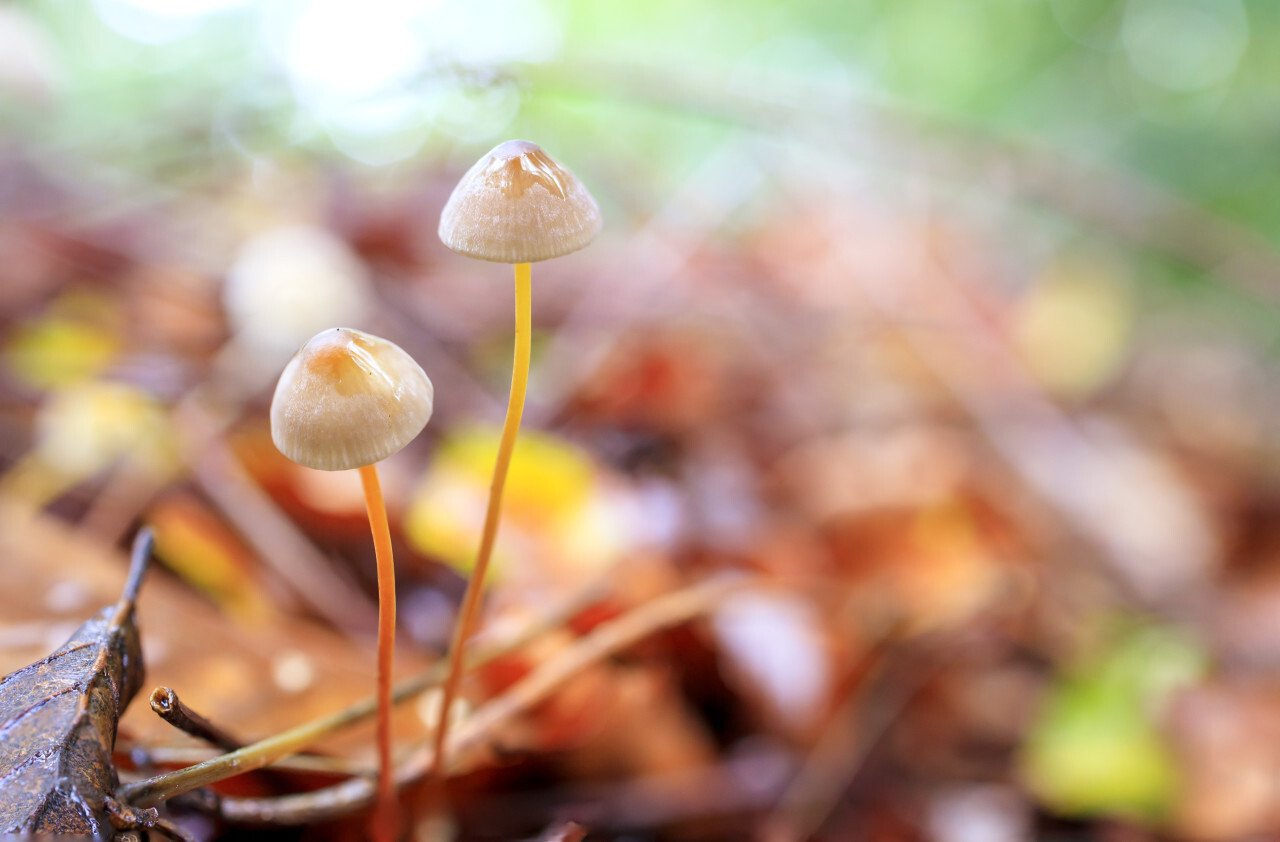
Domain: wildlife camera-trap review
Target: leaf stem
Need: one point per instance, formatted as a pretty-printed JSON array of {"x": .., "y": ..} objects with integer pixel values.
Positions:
[{"x": 385, "y": 818}]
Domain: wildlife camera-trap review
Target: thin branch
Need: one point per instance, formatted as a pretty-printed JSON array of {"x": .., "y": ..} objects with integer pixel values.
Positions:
[
  {"x": 265, "y": 752},
  {"x": 167, "y": 705},
  {"x": 139, "y": 561},
  {"x": 613, "y": 636},
  {"x": 314, "y": 764}
]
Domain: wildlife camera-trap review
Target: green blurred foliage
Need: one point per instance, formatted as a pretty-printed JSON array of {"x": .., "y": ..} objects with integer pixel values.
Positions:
[
  {"x": 1048, "y": 67},
  {"x": 1181, "y": 92},
  {"x": 1097, "y": 747}
]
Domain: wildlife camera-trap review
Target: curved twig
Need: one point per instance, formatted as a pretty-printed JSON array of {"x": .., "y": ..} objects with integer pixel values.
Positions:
[
  {"x": 265, "y": 752},
  {"x": 358, "y": 793}
]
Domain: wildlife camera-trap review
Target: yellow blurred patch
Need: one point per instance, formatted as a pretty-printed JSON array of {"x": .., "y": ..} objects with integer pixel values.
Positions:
[
  {"x": 553, "y": 512},
  {"x": 547, "y": 475},
  {"x": 87, "y": 427},
  {"x": 1073, "y": 327},
  {"x": 75, "y": 339},
  {"x": 1096, "y": 747}
]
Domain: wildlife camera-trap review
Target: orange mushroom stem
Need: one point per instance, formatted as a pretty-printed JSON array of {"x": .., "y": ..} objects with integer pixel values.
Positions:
[{"x": 349, "y": 400}]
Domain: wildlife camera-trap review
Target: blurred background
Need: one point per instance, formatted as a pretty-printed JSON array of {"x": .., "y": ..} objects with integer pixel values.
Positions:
[{"x": 953, "y": 325}]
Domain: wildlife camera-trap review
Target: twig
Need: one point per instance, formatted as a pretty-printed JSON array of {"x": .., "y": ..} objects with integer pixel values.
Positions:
[
  {"x": 854, "y": 730},
  {"x": 139, "y": 561},
  {"x": 263, "y": 753},
  {"x": 129, "y": 819},
  {"x": 358, "y": 793},
  {"x": 321, "y": 764},
  {"x": 167, "y": 705}
]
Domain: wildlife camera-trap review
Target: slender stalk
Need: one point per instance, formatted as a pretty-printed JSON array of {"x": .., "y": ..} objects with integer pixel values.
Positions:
[
  {"x": 385, "y": 816},
  {"x": 510, "y": 428}
]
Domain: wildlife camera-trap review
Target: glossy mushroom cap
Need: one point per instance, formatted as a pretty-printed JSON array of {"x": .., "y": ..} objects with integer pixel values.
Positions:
[
  {"x": 348, "y": 399},
  {"x": 519, "y": 205}
]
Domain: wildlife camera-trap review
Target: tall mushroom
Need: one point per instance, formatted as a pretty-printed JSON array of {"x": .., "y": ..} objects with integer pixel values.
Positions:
[
  {"x": 516, "y": 205},
  {"x": 349, "y": 400}
]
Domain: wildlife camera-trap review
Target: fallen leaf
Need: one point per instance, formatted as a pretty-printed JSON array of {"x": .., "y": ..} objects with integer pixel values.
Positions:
[
  {"x": 58, "y": 721},
  {"x": 259, "y": 679}
]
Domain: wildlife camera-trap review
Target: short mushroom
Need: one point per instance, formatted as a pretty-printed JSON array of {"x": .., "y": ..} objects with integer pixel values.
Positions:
[
  {"x": 349, "y": 400},
  {"x": 516, "y": 205}
]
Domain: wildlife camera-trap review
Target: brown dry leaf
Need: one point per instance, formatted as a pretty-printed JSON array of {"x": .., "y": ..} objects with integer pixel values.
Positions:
[
  {"x": 58, "y": 720},
  {"x": 254, "y": 679}
]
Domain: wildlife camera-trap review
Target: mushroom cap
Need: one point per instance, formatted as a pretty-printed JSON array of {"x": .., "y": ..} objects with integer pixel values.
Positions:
[
  {"x": 517, "y": 204},
  {"x": 348, "y": 399}
]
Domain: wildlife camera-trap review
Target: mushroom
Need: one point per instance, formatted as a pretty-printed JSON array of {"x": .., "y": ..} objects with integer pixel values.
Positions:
[
  {"x": 349, "y": 400},
  {"x": 516, "y": 205}
]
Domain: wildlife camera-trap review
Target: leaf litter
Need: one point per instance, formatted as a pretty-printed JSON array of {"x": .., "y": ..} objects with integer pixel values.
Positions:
[{"x": 58, "y": 720}]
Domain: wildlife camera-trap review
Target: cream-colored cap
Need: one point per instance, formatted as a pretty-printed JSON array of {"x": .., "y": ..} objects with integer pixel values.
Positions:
[
  {"x": 519, "y": 205},
  {"x": 348, "y": 399}
]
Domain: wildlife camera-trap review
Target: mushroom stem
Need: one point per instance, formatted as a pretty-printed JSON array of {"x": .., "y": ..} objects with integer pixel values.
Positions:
[
  {"x": 510, "y": 428},
  {"x": 385, "y": 816}
]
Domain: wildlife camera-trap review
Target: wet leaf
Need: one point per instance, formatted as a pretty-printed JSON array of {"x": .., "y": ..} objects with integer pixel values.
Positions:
[{"x": 58, "y": 722}]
